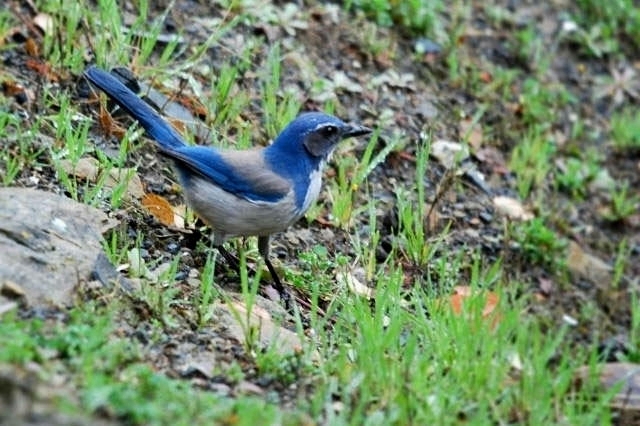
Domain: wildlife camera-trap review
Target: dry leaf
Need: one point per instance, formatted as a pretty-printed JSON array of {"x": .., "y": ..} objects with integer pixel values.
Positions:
[
  {"x": 486, "y": 77},
  {"x": 42, "y": 68},
  {"x": 159, "y": 208},
  {"x": 16, "y": 91},
  {"x": 355, "y": 285},
  {"x": 472, "y": 133},
  {"x": 32, "y": 48},
  {"x": 511, "y": 208},
  {"x": 463, "y": 292},
  {"x": 449, "y": 153},
  {"x": 588, "y": 266},
  {"x": 134, "y": 185},
  {"x": 86, "y": 168},
  {"x": 109, "y": 126}
]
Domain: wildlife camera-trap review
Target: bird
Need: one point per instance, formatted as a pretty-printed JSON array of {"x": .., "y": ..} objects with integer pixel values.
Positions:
[{"x": 258, "y": 191}]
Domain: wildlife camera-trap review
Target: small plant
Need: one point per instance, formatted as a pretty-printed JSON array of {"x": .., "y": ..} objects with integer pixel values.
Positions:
[
  {"x": 316, "y": 267},
  {"x": 351, "y": 177},
  {"x": 531, "y": 160},
  {"x": 373, "y": 43},
  {"x": 624, "y": 203},
  {"x": 574, "y": 177},
  {"x": 277, "y": 113},
  {"x": 226, "y": 101},
  {"x": 412, "y": 215},
  {"x": 208, "y": 292},
  {"x": 285, "y": 369},
  {"x": 420, "y": 17},
  {"x": 540, "y": 244},
  {"x": 595, "y": 41},
  {"x": 615, "y": 18},
  {"x": 540, "y": 102},
  {"x": 21, "y": 149},
  {"x": 634, "y": 334},
  {"x": 528, "y": 46},
  {"x": 625, "y": 130},
  {"x": 622, "y": 260}
]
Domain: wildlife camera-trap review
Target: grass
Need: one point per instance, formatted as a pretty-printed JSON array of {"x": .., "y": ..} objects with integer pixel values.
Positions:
[
  {"x": 625, "y": 130},
  {"x": 400, "y": 353}
]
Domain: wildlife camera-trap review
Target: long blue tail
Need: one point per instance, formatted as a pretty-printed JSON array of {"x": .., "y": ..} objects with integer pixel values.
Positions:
[{"x": 156, "y": 127}]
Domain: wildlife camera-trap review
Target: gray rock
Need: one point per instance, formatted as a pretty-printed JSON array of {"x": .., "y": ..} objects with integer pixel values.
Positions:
[{"x": 48, "y": 245}]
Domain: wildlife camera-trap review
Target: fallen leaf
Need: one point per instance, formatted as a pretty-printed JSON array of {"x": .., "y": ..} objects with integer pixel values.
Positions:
[
  {"x": 159, "y": 208},
  {"x": 486, "y": 77},
  {"x": 109, "y": 126},
  {"x": 86, "y": 168},
  {"x": 237, "y": 319},
  {"x": 12, "y": 290},
  {"x": 42, "y": 68},
  {"x": 134, "y": 185},
  {"x": 511, "y": 208},
  {"x": 471, "y": 132},
  {"x": 588, "y": 266},
  {"x": 15, "y": 90},
  {"x": 462, "y": 293},
  {"x": 353, "y": 284},
  {"x": 31, "y": 47},
  {"x": 449, "y": 153}
]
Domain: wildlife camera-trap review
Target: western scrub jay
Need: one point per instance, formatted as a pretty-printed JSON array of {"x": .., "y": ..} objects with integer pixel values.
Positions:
[{"x": 254, "y": 192}]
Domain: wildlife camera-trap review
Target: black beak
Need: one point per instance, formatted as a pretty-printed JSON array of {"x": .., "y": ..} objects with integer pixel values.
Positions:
[{"x": 351, "y": 131}]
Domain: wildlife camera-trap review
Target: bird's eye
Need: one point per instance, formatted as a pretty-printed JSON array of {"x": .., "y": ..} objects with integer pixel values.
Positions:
[{"x": 330, "y": 130}]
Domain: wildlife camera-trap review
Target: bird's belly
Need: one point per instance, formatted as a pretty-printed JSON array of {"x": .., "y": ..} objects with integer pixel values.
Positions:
[{"x": 230, "y": 216}]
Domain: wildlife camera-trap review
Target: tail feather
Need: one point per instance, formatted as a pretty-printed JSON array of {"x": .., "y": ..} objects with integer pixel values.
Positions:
[{"x": 155, "y": 126}]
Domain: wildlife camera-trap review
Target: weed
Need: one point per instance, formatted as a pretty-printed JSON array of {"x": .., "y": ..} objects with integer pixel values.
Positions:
[
  {"x": 277, "y": 114},
  {"x": 412, "y": 215},
  {"x": 415, "y": 15},
  {"x": 20, "y": 150},
  {"x": 615, "y": 18},
  {"x": 531, "y": 160},
  {"x": 208, "y": 292},
  {"x": 540, "y": 244},
  {"x": 528, "y": 46},
  {"x": 624, "y": 203},
  {"x": 625, "y": 130},
  {"x": 576, "y": 175}
]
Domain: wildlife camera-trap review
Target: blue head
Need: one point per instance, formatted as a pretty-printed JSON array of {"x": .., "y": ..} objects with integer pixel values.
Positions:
[
  {"x": 303, "y": 146},
  {"x": 313, "y": 136}
]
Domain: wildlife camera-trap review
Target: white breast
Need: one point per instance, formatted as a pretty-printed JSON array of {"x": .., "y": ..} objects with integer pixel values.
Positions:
[{"x": 314, "y": 188}]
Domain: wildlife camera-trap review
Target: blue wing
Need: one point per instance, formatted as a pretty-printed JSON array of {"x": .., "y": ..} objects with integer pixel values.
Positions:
[{"x": 242, "y": 173}]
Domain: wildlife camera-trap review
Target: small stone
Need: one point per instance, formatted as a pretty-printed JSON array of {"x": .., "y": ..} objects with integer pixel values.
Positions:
[
  {"x": 248, "y": 388},
  {"x": 12, "y": 290}
]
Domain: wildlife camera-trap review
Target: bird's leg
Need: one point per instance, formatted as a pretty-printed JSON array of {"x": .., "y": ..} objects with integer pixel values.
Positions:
[
  {"x": 263, "y": 248},
  {"x": 232, "y": 260}
]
